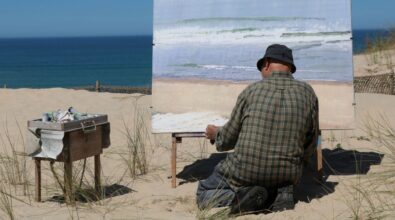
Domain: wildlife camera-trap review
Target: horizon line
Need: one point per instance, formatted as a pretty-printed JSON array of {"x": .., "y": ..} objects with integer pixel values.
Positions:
[{"x": 87, "y": 36}]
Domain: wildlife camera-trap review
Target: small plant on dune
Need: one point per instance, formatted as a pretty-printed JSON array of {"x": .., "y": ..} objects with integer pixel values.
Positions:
[
  {"x": 383, "y": 133},
  {"x": 137, "y": 137},
  {"x": 6, "y": 199},
  {"x": 373, "y": 196},
  {"x": 14, "y": 162},
  {"x": 378, "y": 50},
  {"x": 210, "y": 212},
  {"x": 13, "y": 171}
]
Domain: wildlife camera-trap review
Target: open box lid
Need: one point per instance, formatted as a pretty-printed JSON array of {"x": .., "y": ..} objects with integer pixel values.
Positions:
[{"x": 95, "y": 119}]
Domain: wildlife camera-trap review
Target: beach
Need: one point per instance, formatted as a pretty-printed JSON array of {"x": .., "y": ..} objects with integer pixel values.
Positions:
[{"x": 150, "y": 195}]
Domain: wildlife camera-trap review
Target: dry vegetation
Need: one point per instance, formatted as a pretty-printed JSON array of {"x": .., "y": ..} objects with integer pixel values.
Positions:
[{"x": 379, "y": 53}]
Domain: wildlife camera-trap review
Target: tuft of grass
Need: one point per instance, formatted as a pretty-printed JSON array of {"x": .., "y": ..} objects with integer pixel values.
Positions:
[
  {"x": 373, "y": 196},
  {"x": 6, "y": 199},
  {"x": 137, "y": 136},
  {"x": 13, "y": 171},
  {"x": 379, "y": 52}
]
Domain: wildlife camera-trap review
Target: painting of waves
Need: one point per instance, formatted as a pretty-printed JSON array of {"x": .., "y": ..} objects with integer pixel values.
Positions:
[
  {"x": 204, "y": 46},
  {"x": 220, "y": 41}
]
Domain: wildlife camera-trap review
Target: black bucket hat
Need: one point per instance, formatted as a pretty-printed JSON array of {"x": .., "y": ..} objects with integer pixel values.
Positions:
[{"x": 278, "y": 52}]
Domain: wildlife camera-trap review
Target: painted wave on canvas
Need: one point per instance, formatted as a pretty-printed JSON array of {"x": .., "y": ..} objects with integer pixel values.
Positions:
[
  {"x": 205, "y": 41},
  {"x": 204, "y": 48},
  {"x": 250, "y": 30}
]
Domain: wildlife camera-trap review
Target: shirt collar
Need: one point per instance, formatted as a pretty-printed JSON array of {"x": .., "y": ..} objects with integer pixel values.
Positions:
[{"x": 279, "y": 74}]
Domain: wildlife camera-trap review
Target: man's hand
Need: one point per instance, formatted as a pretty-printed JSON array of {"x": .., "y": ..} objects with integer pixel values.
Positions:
[{"x": 211, "y": 132}]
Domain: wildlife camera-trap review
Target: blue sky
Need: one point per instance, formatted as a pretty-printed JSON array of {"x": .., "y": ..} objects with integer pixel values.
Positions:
[
  {"x": 49, "y": 18},
  {"x": 368, "y": 14}
]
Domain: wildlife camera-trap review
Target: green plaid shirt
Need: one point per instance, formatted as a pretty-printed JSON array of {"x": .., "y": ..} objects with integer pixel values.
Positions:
[{"x": 272, "y": 129}]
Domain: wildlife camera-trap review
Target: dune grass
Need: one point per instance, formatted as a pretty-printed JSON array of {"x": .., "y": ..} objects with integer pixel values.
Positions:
[
  {"x": 138, "y": 142},
  {"x": 13, "y": 171},
  {"x": 379, "y": 51},
  {"x": 373, "y": 196}
]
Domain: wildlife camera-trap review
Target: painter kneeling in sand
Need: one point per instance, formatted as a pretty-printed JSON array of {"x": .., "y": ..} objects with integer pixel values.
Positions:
[{"x": 273, "y": 129}]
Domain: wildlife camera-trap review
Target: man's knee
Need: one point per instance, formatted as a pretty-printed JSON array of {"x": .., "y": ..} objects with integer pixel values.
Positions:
[{"x": 207, "y": 198}]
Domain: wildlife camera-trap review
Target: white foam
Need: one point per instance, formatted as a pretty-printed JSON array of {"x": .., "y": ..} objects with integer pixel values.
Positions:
[
  {"x": 250, "y": 32},
  {"x": 185, "y": 122}
]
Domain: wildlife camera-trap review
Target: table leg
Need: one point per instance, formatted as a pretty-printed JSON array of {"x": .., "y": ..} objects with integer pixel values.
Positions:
[
  {"x": 38, "y": 179},
  {"x": 97, "y": 175},
  {"x": 68, "y": 183},
  {"x": 319, "y": 159},
  {"x": 173, "y": 162}
]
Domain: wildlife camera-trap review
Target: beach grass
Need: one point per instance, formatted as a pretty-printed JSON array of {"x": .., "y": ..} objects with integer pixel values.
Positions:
[
  {"x": 379, "y": 50},
  {"x": 138, "y": 141},
  {"x": 13, "y": 171},
  {"x": 373, "y": 196}
]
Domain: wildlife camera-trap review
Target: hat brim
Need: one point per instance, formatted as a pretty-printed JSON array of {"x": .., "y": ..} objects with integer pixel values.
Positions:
[{"x": 259, "y": 64}]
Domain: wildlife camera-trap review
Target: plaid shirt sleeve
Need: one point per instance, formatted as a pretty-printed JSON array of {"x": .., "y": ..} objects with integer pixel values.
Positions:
[{"x": 227, "y": 135}]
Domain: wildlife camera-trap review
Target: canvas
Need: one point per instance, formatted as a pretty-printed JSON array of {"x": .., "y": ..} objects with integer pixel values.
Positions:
[{"x": 205, "y": 54}]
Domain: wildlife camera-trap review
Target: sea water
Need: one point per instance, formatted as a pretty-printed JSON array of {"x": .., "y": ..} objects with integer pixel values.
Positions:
[
  {"x": 127, "y": 61},
  {"x": 73, "y": 62}
]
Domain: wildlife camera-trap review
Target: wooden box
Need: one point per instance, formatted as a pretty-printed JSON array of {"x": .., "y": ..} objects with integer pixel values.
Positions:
[{"x": 82, "y": 138}]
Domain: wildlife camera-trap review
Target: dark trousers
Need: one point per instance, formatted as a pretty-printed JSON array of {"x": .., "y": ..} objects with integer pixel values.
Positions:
[{"x": 215, "y": 191}]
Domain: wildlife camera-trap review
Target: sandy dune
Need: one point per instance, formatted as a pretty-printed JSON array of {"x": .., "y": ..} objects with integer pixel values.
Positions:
[{"x": 150, "y": 196}]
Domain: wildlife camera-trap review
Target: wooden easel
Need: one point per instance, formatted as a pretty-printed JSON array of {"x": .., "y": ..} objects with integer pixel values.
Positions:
[{"x": 177, "y": 138}]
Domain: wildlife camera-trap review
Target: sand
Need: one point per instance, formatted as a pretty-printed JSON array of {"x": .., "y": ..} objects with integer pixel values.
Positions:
[
  {"x": 336, "y": 100},
  {"x": 368, "y": 64},
  {"x": 152, "y": 196}
]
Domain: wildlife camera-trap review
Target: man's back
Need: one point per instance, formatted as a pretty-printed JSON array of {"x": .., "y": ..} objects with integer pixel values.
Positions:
[{"x": 271, "y": 129}]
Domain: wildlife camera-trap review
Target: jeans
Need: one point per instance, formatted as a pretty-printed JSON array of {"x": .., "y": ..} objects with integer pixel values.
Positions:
[{"x": 214, "y": 191}]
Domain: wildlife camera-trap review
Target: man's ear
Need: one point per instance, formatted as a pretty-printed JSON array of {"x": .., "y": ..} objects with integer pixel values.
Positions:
[{"x": 266, "y": 65}]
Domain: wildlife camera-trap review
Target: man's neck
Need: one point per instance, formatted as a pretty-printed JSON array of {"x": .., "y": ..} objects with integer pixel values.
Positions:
[{"x": 280, "y": 74}]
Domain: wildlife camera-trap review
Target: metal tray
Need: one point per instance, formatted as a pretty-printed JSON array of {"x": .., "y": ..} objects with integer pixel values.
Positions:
[{"x": 85, "y": 124}]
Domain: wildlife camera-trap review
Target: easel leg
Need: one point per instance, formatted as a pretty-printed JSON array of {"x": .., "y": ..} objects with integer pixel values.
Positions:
[
  {"x": 173, "y": 162},
  {"x": 319, "y": 159},
  {"x": 68, "y": 183},
  {"x": 97, "y": 175},
  {"x": 38, "y": 179}
]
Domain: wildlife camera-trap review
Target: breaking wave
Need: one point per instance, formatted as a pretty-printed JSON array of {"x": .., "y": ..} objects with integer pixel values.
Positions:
[{"x": 245, "y": 30}]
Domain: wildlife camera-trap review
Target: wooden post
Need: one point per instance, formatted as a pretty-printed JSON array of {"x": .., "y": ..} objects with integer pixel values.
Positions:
[
  {"x": 97, "y": 86},
  {"x": 392, "y": 81},
  {"x": 173, "y": 161},
  {"x": 97, "y": 175},
  {"x": 38, "y": 179},
  {"x": 68, "y": 182},
  {"x": 319, "y": 157}
]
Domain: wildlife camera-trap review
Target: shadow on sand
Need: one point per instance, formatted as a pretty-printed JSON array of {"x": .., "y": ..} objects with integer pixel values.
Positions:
[
  {"x": 90, "y": 195},
  {"x": 336, "y": 162}
]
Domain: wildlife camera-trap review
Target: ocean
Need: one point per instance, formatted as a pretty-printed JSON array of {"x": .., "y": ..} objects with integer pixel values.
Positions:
[
  {"x": 117, "y": 61},
  {"x": 74, "y": 62},
  {"x": 362, "y": 37}
]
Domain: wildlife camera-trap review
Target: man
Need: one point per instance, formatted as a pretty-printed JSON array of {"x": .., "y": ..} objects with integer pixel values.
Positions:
[{"x": 273, "y": 128}]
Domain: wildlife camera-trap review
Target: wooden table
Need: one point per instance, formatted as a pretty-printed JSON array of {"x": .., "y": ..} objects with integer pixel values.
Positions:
[{"x": 177, "y": 138}]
